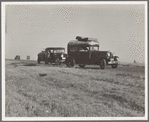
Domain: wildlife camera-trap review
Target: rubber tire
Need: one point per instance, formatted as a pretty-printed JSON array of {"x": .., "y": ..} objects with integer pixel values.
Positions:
[
  {"x": 82, "y": 66},
  {"x": 70, "y": 62},
  {"x": 114, "y": 66},
  {"x": 38, "y": 60},
  {"x": 103, "y": 64},
  {"x": 57, "y": 62}
]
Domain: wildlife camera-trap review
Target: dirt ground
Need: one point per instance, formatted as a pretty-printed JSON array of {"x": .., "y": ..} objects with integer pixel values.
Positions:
[{"x": 39, "y": 90}]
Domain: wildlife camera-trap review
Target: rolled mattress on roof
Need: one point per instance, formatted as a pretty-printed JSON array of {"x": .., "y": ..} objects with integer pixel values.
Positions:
[
  {"x": 80, "y": 38},
  {"x": 76, "y": 42}
]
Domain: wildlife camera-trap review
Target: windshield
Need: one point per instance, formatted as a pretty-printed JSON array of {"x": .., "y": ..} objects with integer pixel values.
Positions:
[
  {"x": 111, "y": 54},
  {"x": 94, "y": 48},
  {"x": 83, "y": 48},
  {"x": 58, "y": 51}
]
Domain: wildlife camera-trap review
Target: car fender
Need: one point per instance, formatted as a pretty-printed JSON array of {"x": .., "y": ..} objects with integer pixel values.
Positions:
[{"x": 116, "y": 57}]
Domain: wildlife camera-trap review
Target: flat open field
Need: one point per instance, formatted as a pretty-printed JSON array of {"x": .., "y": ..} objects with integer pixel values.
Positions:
[{"x": 73, "y": 92}]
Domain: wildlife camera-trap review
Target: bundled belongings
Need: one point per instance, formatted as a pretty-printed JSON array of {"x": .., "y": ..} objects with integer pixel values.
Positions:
[{"x": 80, "y": 38}]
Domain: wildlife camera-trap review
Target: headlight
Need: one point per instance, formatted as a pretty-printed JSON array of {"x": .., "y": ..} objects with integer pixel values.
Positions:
[
  {"x": 108, "y": 54},
  {"x": 62, "y": 55},
  {"x": 116, "y": 58}
]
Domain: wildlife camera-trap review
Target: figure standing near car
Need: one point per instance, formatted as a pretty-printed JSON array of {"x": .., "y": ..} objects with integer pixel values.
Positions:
[{"x": 47, "y": 56}]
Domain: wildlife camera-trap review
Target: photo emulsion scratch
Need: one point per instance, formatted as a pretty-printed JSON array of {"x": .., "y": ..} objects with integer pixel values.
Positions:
[{"x": 74, "y": 61}]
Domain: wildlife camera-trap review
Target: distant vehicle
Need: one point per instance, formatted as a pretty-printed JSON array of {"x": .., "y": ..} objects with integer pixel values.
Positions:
[
  {"x": 85, "y": 51},
  {"x": 55, "y": 55},
  {"x": 28, "y": 57},
  {"x": 17, "y": 57}
]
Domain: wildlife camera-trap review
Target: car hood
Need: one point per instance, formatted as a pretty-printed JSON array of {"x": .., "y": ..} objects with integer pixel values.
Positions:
[
  {"x": 99, "y": 53},
  {"x": 102, "y": 54}
]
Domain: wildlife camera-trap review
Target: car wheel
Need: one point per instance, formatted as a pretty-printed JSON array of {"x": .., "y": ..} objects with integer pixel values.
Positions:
[
  {"x": 103, "y": 64},
  {"x": 57, "y": 61},
  {"x": 82, "y": 66},
  {"x": 69, "y": 62},
  {"x": 38, "y": 60},
  {"x": 114, "y": 66}
]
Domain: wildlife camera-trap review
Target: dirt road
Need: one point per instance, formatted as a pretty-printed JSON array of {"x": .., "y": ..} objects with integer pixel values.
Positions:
[{"x": 46, "y": 90}]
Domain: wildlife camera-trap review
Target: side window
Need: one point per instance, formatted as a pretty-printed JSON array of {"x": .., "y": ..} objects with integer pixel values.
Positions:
[
  {"x": 51, "y": 51},
  {"x": 83, "y": 48},
  {"x": 73, "y": 49},
  {"x": 93, "y": 48}
]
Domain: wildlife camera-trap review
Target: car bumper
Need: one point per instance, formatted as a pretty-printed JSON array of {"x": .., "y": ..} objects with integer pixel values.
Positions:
[
  {"x": 112, "y": 62},
  {"x": 62, "y": 61}
]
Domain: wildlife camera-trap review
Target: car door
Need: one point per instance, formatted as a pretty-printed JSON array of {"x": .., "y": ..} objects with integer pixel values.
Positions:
[
  {"x": 83, "y": 54},
  {"x": 73, "y": 52}
]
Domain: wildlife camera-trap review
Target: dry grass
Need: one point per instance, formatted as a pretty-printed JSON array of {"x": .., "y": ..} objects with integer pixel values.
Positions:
[{"x": 73, "y": 92}]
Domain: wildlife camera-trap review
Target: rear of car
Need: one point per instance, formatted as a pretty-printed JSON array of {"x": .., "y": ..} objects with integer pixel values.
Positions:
[
  {"x": 53, "y": 55},
  {"x": 17, "y": 57}
]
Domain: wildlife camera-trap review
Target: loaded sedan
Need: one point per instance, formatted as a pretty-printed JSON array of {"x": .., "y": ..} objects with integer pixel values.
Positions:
[
  {"x": 85, "y": 51},
  {"x": 55, "y": 55}
]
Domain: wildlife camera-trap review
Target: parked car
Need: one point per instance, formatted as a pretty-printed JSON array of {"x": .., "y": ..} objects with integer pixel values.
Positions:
[
  {"x": 17, "y": 57},
  {"x": 55, "y": 55},
  {"x": 85, "y": 51}
]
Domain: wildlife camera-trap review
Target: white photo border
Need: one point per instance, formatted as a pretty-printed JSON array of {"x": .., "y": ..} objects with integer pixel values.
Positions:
[{"x": 3, "y": 4}]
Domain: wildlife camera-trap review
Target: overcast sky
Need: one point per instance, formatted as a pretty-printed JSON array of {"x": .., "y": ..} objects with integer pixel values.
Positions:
[{"x": 118, "y": 28}]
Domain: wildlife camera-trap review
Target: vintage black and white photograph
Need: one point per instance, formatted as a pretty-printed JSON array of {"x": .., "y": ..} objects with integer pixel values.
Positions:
[{"x": 74, "y": 60}]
